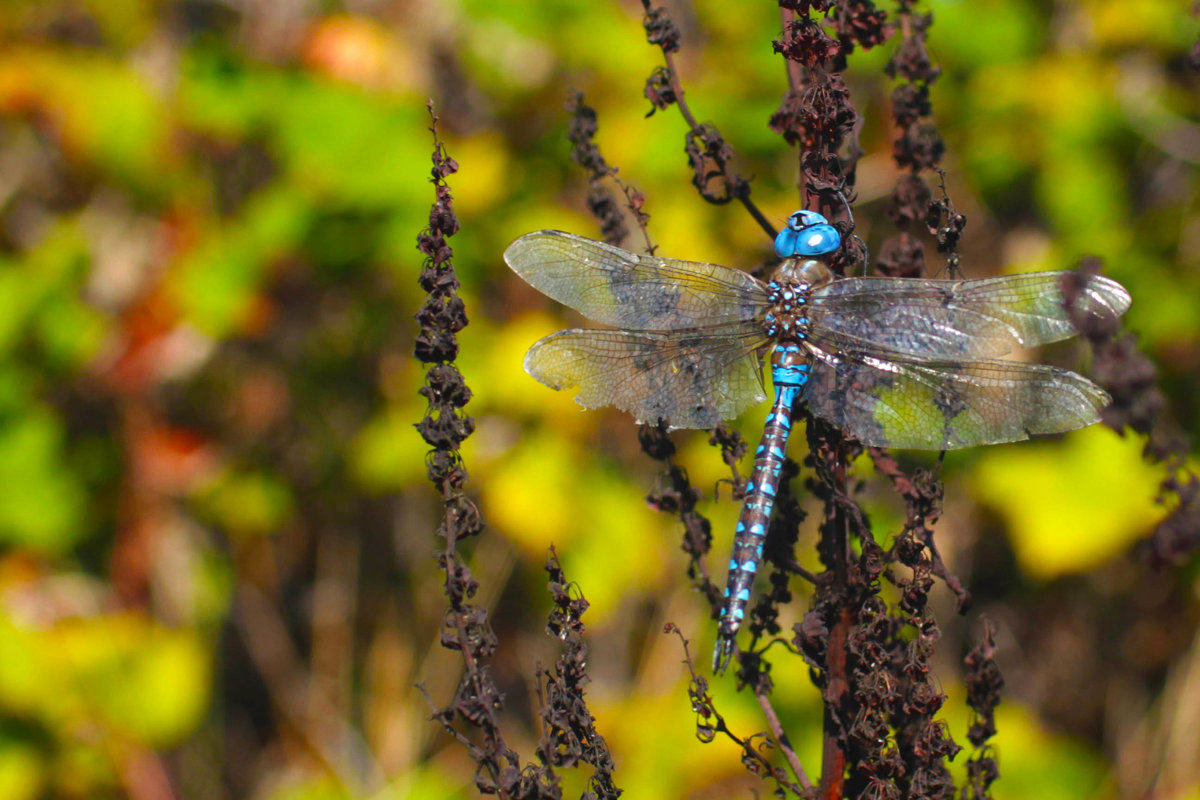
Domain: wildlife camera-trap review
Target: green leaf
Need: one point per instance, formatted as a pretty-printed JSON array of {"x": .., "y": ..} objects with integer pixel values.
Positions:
[{"x": 41, "y": 502}]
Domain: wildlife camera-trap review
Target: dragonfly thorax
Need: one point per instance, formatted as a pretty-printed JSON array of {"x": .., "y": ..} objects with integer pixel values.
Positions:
[
  {"x": 788, "y": 294},
  {"x": 806, "y": 271}
]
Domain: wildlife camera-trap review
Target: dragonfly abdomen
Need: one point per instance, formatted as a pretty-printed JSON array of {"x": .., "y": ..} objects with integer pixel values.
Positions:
[{"x": 789, "y": 373}]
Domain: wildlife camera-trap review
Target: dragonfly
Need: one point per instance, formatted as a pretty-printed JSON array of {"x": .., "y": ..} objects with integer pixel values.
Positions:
[{"x": 906, "y": 363}]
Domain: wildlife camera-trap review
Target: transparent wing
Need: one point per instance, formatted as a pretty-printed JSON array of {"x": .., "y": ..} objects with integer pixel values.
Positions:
[
  {"x": 691, "y": 379},
  {"x": 953, "y": 319},
  {"x": 944, "y": 405},
  {"x": 626, "y": 290}
]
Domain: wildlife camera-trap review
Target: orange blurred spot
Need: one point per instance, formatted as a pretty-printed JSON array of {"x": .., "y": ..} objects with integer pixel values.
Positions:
[
  {"x": 348, "y": 48},
  {"x": 170, "y": 460},
  {"x": 145, "y": 325}
]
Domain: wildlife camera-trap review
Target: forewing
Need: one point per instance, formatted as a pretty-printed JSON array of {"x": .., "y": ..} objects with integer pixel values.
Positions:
[
  {"x": 953, "y": 319},
  {"x": 691, "y": 379},
  {"x": 627, "y": 290},
  {"x": 945, "y": 405}
]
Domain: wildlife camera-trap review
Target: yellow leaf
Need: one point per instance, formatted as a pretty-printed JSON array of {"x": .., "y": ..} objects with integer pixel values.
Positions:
[
  {"x": 1071, "y": 505},
  {"x": 21, "y": 771},
  {"x": 531, "y": 493}
]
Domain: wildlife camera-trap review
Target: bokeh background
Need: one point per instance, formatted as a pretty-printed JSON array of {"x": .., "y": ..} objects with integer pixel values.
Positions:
[{"x": 216, "y": 537}]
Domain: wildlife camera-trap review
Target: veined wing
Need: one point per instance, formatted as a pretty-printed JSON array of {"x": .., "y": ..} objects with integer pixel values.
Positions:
[
  {"x": 953, "y": 319},
  {"x": 924, "y": 404},
  {"x": 627, "y": 290},
  {"x": 691, "y": 379}
]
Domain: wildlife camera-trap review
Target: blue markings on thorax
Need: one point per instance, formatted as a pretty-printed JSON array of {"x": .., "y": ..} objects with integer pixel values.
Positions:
[{"x": 784, "y": 319}]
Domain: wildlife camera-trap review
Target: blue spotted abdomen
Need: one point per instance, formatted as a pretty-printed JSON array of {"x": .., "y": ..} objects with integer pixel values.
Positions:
[{"x": 789, "y": 378}]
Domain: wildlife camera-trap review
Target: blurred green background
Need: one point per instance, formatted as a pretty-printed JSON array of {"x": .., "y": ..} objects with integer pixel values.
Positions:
[{"x": 216, "y": 538}]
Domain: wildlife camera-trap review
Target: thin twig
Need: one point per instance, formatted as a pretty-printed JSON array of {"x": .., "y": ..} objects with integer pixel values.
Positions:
[
  {"x": 666, "y": 36},
  {"x": 781, "y": 739}
]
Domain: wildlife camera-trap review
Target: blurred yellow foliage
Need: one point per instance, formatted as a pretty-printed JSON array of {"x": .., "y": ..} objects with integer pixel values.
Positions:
[
  {"x": 22, "y": 770},
  {"x": 1043, "y": 764},
  {"x": 137, "y": 680},
  {"x": 382, "y": 453},
  {"x": 195, "y": 195},
  {"x": 531, "y": 492},
  {"x": 490, "y": 167},
  {"x": 1073, "y": 505}
]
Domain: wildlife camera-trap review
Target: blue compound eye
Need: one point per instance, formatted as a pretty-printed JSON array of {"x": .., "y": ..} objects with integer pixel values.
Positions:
[
  {"x": 807, "y": 234},
  {"x": 818, "y": 240},
  {"x": 785, "y": 243}
]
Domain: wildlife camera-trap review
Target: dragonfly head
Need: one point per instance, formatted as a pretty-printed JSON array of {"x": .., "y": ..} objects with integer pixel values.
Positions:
[{"x": 807, "y": 233}]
